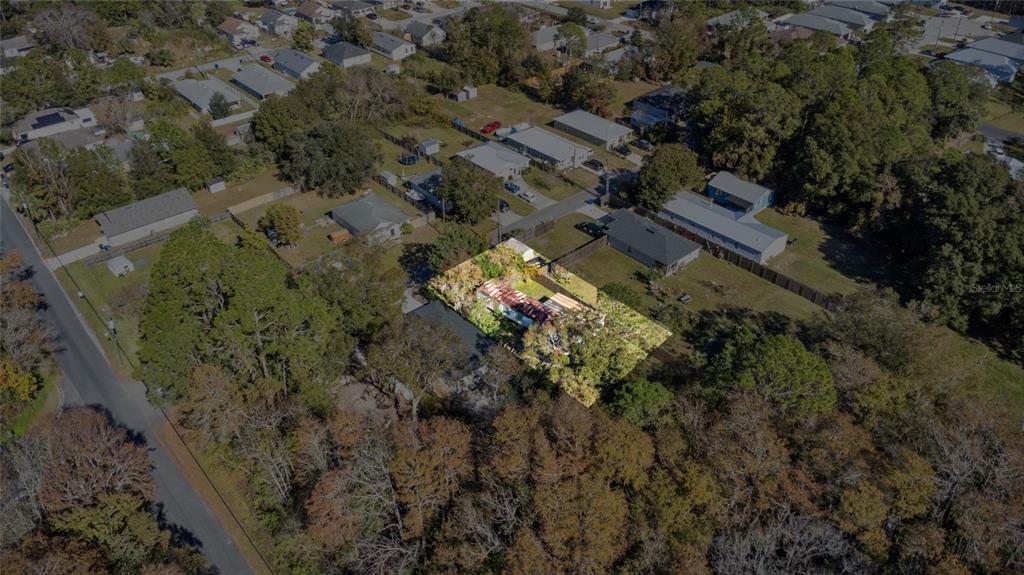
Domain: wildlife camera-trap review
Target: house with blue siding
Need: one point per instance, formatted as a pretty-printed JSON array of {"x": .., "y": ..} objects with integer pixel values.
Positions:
[
  {"x": 735, "y": 231},
  {"x": 738, "y": 194}
]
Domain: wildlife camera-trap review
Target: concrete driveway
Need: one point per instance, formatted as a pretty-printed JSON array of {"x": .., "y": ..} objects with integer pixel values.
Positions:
[{"x": 540, "y": 201}]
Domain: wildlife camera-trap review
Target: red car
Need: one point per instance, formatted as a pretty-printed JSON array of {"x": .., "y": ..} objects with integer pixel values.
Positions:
[
  {"x": 266, "y": 58},
  {"x": 491, "y": 127}
]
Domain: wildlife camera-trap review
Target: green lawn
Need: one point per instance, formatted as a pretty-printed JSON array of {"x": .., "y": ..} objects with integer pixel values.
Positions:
[
  {"x": 496, "y": 103},
  {"x": 392, "y": 14},
  {"x": 806, "y": 259},
  {"x": 452, "y": 140},
  {"x": 113, "y": 297},
  {"x": 625, "y": 92},
  {"x": 614, "y": 11},
  {"x": 562, "y": 238},
  {"x": 550, "y": 185},
  {"x": 516, "y": 204},
  {"x": 1000, "y": 114}
]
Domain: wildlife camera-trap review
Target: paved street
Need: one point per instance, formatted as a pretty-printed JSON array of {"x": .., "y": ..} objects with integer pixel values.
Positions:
[
  {"x": 996, "y": 133},
  {"x": 552, "y": 212},
  {"x": 91, "y": 381}
]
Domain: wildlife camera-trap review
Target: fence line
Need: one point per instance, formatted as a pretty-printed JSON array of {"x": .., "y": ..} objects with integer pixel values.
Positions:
[
  {"x": 581, "y": 252},
  {"x": 525, "y": 234},
  {"x": 471, "y": 133},
  {"x": 410, "y": 148},
  {"x": 139, "y": 244}
]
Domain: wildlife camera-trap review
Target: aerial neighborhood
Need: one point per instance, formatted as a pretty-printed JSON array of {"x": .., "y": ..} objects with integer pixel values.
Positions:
[{"x": 466, "y": 286}]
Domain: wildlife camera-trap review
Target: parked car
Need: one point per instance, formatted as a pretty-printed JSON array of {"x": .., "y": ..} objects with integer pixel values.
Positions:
[
  {"x": 420, "y": 9},
  {"x": 371, "y": 16},
  {"x": 504, "y": 206},
  {"x": 511, "y": 187},
  {"x": 595, "y": 165},
  {"x": 527, "y": 195},
  {"x": 590, "y": 228},
  {"x": 266, "y": 58},
  {"x": 491, "y": 127},
  {"x": 624, "y": 150},
  {"x": 645, "y": 145},
  {"x": 458, "y": 122}
]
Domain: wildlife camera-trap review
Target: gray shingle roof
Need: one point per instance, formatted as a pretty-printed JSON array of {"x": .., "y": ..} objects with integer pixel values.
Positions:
[
  {"x": 294, "y": 61},
  {"x": 418, "y": 29},
  {"x": 387, "y": 42},
  {"x": 271, "y": 18},
  {"x": 367, "y": 214},
  {"x": 599, "y": 41},
  {"x": 550, "y": 145},
  {"x": 596, "y": 126},
  {"x": 338, "y": 53},
  {"x": 146, "y": 212},
  {"x": 476, "y": 342},
  {"x": 644, "y": 236},
  {"x": 740, "y": 188},
  {"x": 199, "y": 92},
  {"x": 812, "y": 22},
  {"x": 1000, "y": 48},
  {"x": 876, "y": 9},
  {"x": 262, "y": 81},
  {"x": 494, "y": 157},
  {"x": 844, "y": 15},
  {"x": 1002, "y": 66},
  {"x": 745, "y": 231}
]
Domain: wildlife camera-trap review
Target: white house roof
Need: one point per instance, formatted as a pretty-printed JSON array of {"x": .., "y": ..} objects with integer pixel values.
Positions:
[
  {"x": 550, "y": 145},
  {"x": 145, "y": 212},
  {"x": 494, "y": 157},
  {"x": 293, "y": 60},
  {"x": 262, "y": 81},
  {"x": 740, "y": 188},
  {"x": 999, "y": 47},
  {"x": 545, "y": 35},
  {"x": 844, "y": 15},
  {"x": 43, "y": 118},
  {"x": 876, "y": 9},
  {"x": 199, "y": 92},
  {"x": 594, "y": 126},
  {"x": 387, "y": 42},
  {"x": 812, "y": 22},
  {"x": 745, "y": 231}
]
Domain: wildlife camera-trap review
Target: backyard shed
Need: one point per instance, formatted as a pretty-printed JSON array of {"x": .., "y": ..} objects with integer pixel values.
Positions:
[{"x": 120, "y": 266}]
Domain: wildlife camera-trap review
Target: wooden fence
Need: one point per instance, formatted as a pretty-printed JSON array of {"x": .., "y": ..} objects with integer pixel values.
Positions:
[
  {"x": 581, "y": 252},
  {"x": 411, "y": 148},
  {"x": 471, "y": 133},
  {"x": 524, "y": 234},
  {"x": 420, "y": 205},
  {"x": 822, "y": 299}
]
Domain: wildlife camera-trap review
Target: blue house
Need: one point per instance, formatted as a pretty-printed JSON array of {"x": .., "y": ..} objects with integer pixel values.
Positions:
[
  {"x": 738, "y": 194},
  {"x": 735, "y": 231}
]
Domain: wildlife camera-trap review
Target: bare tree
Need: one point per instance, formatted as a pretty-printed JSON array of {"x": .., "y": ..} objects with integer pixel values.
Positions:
[
  {"x": 117, "y": 113},
  {"x": 68, "y": 26}
]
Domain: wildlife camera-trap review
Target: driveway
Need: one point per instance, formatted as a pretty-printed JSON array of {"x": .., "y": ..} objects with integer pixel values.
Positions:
[
  {"x": 89, "y": 380},
  {"x": 540, "y": 201},
  {"x": 995, "y": 149},
  {"x": 553, "y": 212}
]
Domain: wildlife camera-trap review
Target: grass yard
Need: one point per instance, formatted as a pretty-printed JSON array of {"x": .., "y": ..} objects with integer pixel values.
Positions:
[
  {"x": 625, "y": 92},
  {"x": 550, "y": 185},
  {"x": 81, "y": 235},
  {"x": 113, "y": 297},
  {"x": 390, "y": 153},
  {"x": 1000, "y": 114},
  {"x": 608, "y": 265},
  {"x": 809, "y": 256},
  {"x": 563, "y": 238},
  {"x": 515, "y": 203},
  {"x": 446, "y": 4},
  {"x": 452, "y": 140},
  {"x": 496, "y": 103},
  {"x": 265, "y": 182},
  {"x": 393, "y": 14},
  {"x": 614, "y": 11}
]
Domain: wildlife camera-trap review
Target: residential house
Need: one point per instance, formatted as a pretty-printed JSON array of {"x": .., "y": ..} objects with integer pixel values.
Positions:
[
  {"x": 424, "y": 34},
  {"x": 261, "y": 82},
  {"x": 346, "y": 55},
  {"x": 545, "y": 39},
  {"x": 52, "y": 121},
  {"x": 549, "y": 148},
  {"x": 371, "y": 217},
  {"x": 496, "y": 159},
  {"x": 663, "y": 105},
  {"x": 598, "y": 42},
  {"x": 735, "y": 231},
  {"x": 602, "y": 4},
  {"x": 239, "y": 32},
  {"x": 737, "y": 17},
  {"x": 314, "y": 13},
  {"x": 353, "y": 8},
  {"x": 858, "y": 21},
  {"x": 875, "y": 10},
  {"x": 146, "y": 217},
  {"x": 386, "y": 4},
  {"x": 88, "y": 138},
  {"x": 464, "y": 93},
  {"x": 735, "y": 193},
  {"x": 1011, "y": 50},
  {"x": 815, "y": 23},
  {"x": 649, "y": 243},
  {"x": 513, "y": 304},
  {"x": 17, "y": 46},
  {"x": 997, "y": 68},
  {"x": 391, "y": 47},
  {"x": 591, "y": 128},
  {"x": 296, "y": 64},
  {"x": 279, "y": 23},
  {"x": 200, "y": 92}
]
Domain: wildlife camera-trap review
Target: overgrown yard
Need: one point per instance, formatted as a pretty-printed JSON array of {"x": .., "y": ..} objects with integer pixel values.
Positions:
[
  {"x": 815, "y": 253},
  {"x": 452, "y": 140},
  {"x": 562, "y": 238},
  {"x": 550, "y": 185}
]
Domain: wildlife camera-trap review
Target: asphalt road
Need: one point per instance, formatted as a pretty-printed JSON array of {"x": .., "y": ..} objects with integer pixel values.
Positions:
[
  {"x": 995, "y": 133},
  {"x": 89, "y": 380}
]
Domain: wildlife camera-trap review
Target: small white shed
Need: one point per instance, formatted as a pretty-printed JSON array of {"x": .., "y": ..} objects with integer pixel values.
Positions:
[
  {"x": 430, "y": 147},
  {"x": 218, "y": 185},
  {"x": 120, "y": 266}
]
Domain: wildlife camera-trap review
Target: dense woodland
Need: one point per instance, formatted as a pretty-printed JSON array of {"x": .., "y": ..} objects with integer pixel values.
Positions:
[{"x": 841, "y": 444}]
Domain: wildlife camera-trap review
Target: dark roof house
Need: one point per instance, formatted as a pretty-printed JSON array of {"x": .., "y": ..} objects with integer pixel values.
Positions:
[
  {"x": 372, "y": 217},
  {"x": 296, "y": 64},
  {"x": 662, "y": 105},
  {"x": 346, "y": 55},
  {"x": 261, "y": 82},
  {"x": 649, "y": 243},
  {"x": 138, "y": 219}
]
